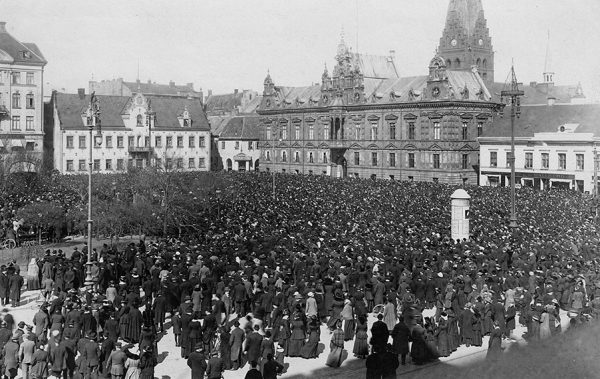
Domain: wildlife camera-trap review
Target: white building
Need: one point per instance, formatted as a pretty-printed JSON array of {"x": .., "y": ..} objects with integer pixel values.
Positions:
[
  {"x": 555, "y": 147},
  {"x": 21, "y": 103},
  {"x": 140, "y": 130},
  {"x": 238, "y": 144}
]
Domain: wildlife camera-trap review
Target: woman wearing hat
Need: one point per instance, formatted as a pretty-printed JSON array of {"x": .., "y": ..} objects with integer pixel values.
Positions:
[{"x": 147, "y": 363}]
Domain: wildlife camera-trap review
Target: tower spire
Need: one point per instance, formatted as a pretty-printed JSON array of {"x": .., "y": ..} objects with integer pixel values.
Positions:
[{"x": 548, "y": 73}]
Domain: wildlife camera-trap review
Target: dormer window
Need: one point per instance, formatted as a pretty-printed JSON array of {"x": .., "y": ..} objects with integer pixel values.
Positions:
[
  {"x": 25, "y": 54},
  {"x": 187, "y": 122}
]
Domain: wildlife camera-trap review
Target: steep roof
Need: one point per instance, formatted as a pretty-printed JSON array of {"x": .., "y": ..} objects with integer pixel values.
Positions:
[
  {"x": 241, "y": 128},
  {"x": 252, "y": 105},
  {"x": 376, "y": 66},
  {"x": 466, "y": 12},
  {"x": 538, "y": 93},
  {"x": 226, "y": 102},
  {"x": 12, "y": 50},
  {"x": 160, "y": 89},
  {"x": 70, "y": 107},
  {"x": 546, "y": 119}
]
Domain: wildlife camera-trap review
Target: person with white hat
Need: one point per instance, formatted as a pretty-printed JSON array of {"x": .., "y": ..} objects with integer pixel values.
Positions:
[{"x": 311, "y": 308}]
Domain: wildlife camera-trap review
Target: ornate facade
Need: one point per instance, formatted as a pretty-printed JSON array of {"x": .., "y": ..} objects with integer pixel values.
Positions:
[{"x": 365, "y": 121}]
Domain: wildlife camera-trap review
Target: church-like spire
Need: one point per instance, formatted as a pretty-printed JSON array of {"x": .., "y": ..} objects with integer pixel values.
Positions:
[
  {"x": 466, "y": 12},
  {"x": 548, "y": 73}
]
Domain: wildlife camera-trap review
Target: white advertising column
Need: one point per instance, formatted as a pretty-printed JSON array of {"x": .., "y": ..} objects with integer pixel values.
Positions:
[{"x": 460, "y": 204}]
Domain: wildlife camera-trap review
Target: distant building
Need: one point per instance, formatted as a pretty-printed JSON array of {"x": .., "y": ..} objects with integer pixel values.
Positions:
[
  {"x": 118, "y": 87},
  {"x": 21, "y": 104},
  {"x": 222, "y": 108},
  {"x": 238, "y": 144},
  {"x": 168, "y": 132},
  {"x": 554, "y": 147}
]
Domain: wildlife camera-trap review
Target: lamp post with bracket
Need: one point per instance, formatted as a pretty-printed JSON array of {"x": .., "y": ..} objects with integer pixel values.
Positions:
[{"x": 93, "y": 122}]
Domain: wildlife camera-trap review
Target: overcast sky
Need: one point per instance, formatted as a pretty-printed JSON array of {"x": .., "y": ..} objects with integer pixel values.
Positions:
[{"x": 227, "y": 44}]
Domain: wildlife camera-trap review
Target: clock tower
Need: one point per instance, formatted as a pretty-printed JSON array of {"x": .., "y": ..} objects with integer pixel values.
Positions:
[{"x": 466, "y": 40}]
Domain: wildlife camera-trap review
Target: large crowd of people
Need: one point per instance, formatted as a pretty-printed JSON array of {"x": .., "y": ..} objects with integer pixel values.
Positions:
[{"x": 265, "y": 272}]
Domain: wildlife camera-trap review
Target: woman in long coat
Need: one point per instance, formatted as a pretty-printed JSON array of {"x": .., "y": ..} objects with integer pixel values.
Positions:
[
  {"x": 443, "y": 344},
  {"x": 297, "y": 337},
  {"x": 389, "y": 314},
  {"x": 361, "y": 344},
  {"x": 124, "y": 323},
  {"x": 134, "y": 328},
  {"x": 147, "y": 363},
  {"x": 347, "y": 315},
  {"x": 33, "y": 278},
  {"x": 545, "y": 325}
]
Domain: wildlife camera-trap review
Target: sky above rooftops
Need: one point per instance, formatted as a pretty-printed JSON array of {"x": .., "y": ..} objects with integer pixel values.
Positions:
[{"x": 227, "y": 44}]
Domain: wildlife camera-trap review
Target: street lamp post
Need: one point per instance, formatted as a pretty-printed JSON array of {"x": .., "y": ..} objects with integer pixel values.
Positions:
[
  {"x": 595, "y": 184},
  {"x": 93, "y": 121},
  {"x": 511, "y": 93}
]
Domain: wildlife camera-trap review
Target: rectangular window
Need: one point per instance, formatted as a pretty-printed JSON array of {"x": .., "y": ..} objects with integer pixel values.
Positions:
[
  {"x": 29, "y": 123},
  {"x": 356, "y": 158},
  {"x": 29, "y": 78},
  {"x": 392, "y": 159},
  {"x": 357, "y": 132},
  {"x": 69, "y": 142},
  {"x": 562, "y": 161},
  {"x": 147, "y": 141},
  {"x": 297, "y": 157},
  {"x": 130, "y": 141},
  {"x": 158, "y": 162},
  {"x": 82, "y": 165},
  {"x": 109, "y": 142},
  {"x": 268, "y": 134},
  {"x": 108, "y": 165},
  {"x": 373, "y": 159},
  {"x": 192, "y": 163},
  {"x": 29, "y": 101},
  {"x": 411, "y": 160},
  {"x": 297, "y": 132},
  {"x": 465, "y": 161},
  {"x": 326, "y": 132},
  {"x": 179, "y": 141},
  {"x": 311, "y": 132},
  {"x": 311, "y": 159},
  {"x": 283, "y": 133},
  {"x": 158, "y": 141},
  {"x": 16, "y": 78},
  {"x": 374, "y": 132},
  {"x": 169, "y": 141},
  {"x": 465, "y": 131},
  {"x": 202, "y": 142},
  {"x": 579, "y": 160},
  {"x": 392, "y": 130},
  {"x": 283, "y": 156},
  {"x": 479, "y": 129},
  {"x": 411, "y": 130},
  {"x": 508, "y": 159},
  {"x": 179, "y": 162},
  {"x": 436, "y": 161},
  {"x": 16, "y": 123},
  {"x": 192, "y": 141},
  {"x": 120, "y": 164},
  {"x": 201, "y": 163},
  {"x": 545, "y": 160},
  {"x": 249, "y": 145},
  {"x": 82, "y": 142},
  {"x": 70, "y": 166},
  {"x": 529, "y": 160},
  {"x": 169, "y": 163},
  {"x": 324, "y": 157},
  {"x": 96, "y": 164},
  {"x": 268, "y": 156},
  {"x": 237, "y": 145},
  {"x": 493, "y": 159},
  {"x": 119, "y": 141},
  {"x": 437, "y": 131},
  {"x": 222, "y": 144},
  {"x": 16, "y": 100}
]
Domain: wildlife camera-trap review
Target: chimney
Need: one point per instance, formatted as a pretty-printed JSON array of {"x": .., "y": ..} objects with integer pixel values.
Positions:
[
  {"x": 190, "y": 86},
  {"x": 171, "y": 84},
  {"x": 81, "y": 93},
  {"x": 235, "y": 91},
  {"x": 149, "y": 81},
  {"x": 3, "y": 27}
]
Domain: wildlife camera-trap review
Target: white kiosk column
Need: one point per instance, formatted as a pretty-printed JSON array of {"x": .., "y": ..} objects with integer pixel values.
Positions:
[{"x": 460, "y": 205}]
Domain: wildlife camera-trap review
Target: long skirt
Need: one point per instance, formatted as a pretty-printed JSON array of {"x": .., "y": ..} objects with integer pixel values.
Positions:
[
  {"x": 295, "y": 348},
  {"x": 334, "y": 359},
  {"x": 310, "y": 349},
  {"x": 361, "y": 345},
  {"x": 349, "y": 326},
  {"x": 33, "y": 283}
]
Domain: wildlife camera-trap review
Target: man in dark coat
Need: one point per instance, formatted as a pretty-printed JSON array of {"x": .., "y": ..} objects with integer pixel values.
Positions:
[
  {"x": 401, "y": 337},
  {"x": 15, "y": 282},
  {"x": 215, "y": 366},
  {"x": 253, "y": 344},
  {"x": 235, "y": 341},
  {"x": 91, "y": 355},
  {"x": 160, "y": 308},
  {"x": 111, "y": 328},
  {"x": 379, "y": 332},
  {"x": 272, "y": 368},
  {"x": 253, "y": 373},
  {"x": 197, "y": 362}
]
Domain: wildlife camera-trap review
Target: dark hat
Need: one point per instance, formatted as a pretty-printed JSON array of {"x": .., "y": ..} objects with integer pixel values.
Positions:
[{"x": 21, "y": 324}]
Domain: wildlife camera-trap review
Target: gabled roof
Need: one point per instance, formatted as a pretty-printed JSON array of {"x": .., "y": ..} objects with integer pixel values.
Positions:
[
  {"x": 547, "y": 119},
  {"x": 376, "y": 66},
  {"x": 11, "y": 50},
  {"x": 217, "y": 123},
  {"x": 241, "y": 128},
  {"x": 70, "y": 107},
  {"x": 226, "y": 102},
  {"x": 252, "y": 105},
  {"x": 160, "y": 89}
]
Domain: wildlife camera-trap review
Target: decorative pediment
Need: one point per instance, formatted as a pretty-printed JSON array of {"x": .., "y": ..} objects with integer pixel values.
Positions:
[
  {"x": 296, "y": 120},
  {"x": 391, "y": 117},
  {"x": 324, "y": 119},
  {"x": 357, "y": 117},
  {"x": 283, "y": 121},
  {"x": 296, "y": 144},
  {"x": 373, "y": 118},
  {"x": 466, "y": 116},
  {"x": 435, "y": 115},
  {"x": 309, "y": 120},
  {"x": 435, "y": 146},
  {"x": 467, "y": 147},
  {"x": 355, "y": 146},
  {"x": 391, "y": 146},
  {"x": 323, "y": 145},
  {"x": 410, "y": 116},
  {"x": 281, "y": 144},
  {"x": 310, "y": 144},
  {"x": 483, "y": 116},
  {"x": 410, "y": 146},
  {"x": 373, "y": 146},
  {"x": 266, "y": 144}
]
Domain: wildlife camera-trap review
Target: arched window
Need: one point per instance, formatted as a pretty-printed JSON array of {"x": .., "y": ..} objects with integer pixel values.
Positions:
[
  {"x": 449, "y": 63},
  {"x": 284, "y": 156},
  {"x": 457, "y": 63},
  {"x": 310, "y": 158},
  {"x": 139, "y": 121},
  {"x": 478, "y": 62},
  {"x": 484, "y": 63},
  {"x": 297, "y": 157}
]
